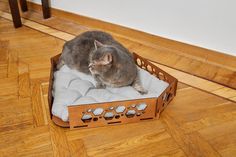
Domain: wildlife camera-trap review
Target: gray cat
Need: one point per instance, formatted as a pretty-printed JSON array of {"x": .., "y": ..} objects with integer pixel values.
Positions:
[{"x": 99, "y": 54}]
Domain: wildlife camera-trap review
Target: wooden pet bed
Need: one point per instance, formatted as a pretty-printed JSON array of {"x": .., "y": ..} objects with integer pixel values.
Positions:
[{"x": 152, "y": 110}]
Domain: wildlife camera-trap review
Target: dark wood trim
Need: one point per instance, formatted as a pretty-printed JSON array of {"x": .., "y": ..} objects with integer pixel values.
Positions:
[
  {"x": 15, "y": 13},
  {"x": 46, "y": 9},
  {"x": 23, "y": 5}
]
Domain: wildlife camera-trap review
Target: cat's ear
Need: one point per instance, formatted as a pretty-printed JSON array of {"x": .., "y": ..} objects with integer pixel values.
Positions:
[
  {"x": 97, "y": 44},
  {"x": 106, "y": 59}
]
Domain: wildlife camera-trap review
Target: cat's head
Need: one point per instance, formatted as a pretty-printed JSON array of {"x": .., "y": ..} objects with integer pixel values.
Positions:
[{"x": 102, "y": 58}]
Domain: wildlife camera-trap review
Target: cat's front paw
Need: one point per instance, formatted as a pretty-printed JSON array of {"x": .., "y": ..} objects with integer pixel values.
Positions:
[
  {"x": 140, "y": 88},
  {"x": 100, "y": 86},
  {"x": 143, "y": 91}
]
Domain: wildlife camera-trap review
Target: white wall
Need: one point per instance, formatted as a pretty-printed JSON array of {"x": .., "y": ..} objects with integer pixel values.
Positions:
[{"x": 206, "y": 23}]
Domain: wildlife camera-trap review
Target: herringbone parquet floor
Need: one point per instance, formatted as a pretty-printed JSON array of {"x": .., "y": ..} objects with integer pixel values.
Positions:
[{"x": 198, "y": 122}]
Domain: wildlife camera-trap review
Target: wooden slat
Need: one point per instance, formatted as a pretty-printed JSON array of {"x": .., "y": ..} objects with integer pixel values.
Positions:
[
  {"x": 222, "y": 137},
  {"x": 9, "y": 86},
  {"x": 60, "y": 145},
  {"x": 12, "y": 70},
  {"x": 77, "y": 148},
  {"x": 27, "y": 142},
  {"x": 138, "y": 146},
  {"x": 207, "y": 118},
  {"x": 3, "y": 71},
  {"x": 38, "y": 109},
  {"x": 24, "y": 85},
  {"x": 15, "y": 114},
  {"x": 59, "y": 141},
  {"x": 223, "y": 129},
  {"x": 24, "y": 81},
  {"x": 193, "y": 144},
  {"x": 4, "y": 45},
  {"x": 125, "y": 139}
]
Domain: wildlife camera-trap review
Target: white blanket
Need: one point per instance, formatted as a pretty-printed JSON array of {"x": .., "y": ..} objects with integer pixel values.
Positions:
[{"x": 71, "y": 87}]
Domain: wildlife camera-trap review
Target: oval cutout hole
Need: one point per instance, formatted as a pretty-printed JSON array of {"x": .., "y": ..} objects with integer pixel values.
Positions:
[
  {"x": 95, "y": 119},
  {"x": 139, "y": 62},
  {"x": 117, "y": 116},
  {"x": 87, "y": 120},
  {"x": 161, "y": 76},
  {"x": 168, "y": 97}
]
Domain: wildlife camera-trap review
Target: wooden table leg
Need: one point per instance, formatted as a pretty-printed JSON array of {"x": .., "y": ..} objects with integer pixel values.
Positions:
[
  {"x": 23, "y": 5},
  {"x": 15, "y": 13},
  {"x": 46, "y": 9}
]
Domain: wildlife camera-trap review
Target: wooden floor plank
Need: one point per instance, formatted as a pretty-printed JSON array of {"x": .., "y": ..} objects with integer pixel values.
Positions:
[
  {"x": 58, "y": 138},
  {"x": 24, "y": 80},
  {"x": 4, "y": 45},
  {"x": 105, "y": 135},
  {"x": 4, "y": 49},
  {"x": 9, "y": 86},
  {"x": 12, "y": 70},
  {"x": 134, "y": 146},
  {"x": 59, "y": 141},
  {"x": 192, "y": 144},
  {"x": 222, "y": 137},
  {"x": 77, "y": 148},
  {"x": 3, "y": 70},
  {"x": 38, "y": 109},
  {"x": 223, "y": 129},
  {"x": 29, "y": 142},
  {"x": 15, "y": 114}
]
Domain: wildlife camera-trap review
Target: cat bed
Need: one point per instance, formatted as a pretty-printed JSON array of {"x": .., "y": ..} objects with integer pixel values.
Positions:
[
  {"x": 75, "y": 102},
  {"x": 72, "y": 87}
]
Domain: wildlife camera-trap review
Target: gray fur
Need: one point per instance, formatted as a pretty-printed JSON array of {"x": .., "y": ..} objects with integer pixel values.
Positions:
[{"x": 99, "y": 54}]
